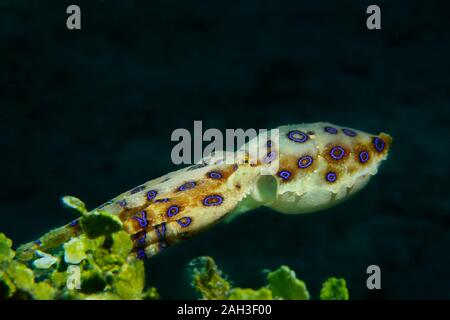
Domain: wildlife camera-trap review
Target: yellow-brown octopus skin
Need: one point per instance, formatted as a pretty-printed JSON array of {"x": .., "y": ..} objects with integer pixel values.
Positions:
[{"x": 318, "y": 166}]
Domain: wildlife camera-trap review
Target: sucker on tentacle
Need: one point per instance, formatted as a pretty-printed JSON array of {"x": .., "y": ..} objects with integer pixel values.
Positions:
[{"x": 319, "y": 165}]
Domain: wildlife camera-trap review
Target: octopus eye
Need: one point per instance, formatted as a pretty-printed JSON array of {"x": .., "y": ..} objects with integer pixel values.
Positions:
[
  {"x": 304, "y": 162},
  {"x": 215, "y": 175},
  {"x": 363, "y": 156},
  {"x": 331, "y": 177},
  {"x": 187, "y": 186},
  {"x": 330, "y": 130},
  {"x": 298, "y": 136},
  {"x": 184, "y": 222},
  {"x": 137, "y": 189},
  {"x": 337, "y": 153},
  {"x": 379, "y": 144},
  {"x": 349, "y": 132},
  {"x": 213, "y": 200},
  {"x": 151, "y": 194},
  {"x": 173, "y": 210},
  {"x": 284, "y": 174}
]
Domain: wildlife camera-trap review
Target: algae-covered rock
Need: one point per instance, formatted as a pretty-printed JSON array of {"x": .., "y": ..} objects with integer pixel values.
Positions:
[
  {"x": 75, "y": 250},
  {"x": 94, "y": 262},
  {"x": 43, "y": 291},
  {"x": 22, "y": 276},
  {"x": 130, "y": 281},
  {"x": 250, "y": 294},
  {"x": 207, "y": 279},
  {"x": 58, "y": 279},
  {"x": 334, "y": 289},
  {"x": 99, "y": 223},
  {"x": 92, "y": 259},
  {"x": 24, "y": 281},
  {"x": 150, "y": 294},
  {"x": 284, "y": 285},
  {"x": 45, "y": 260},
  {"x": 92, "y": 281},
  {"x": 6, "y": 253},
  {"x": 102, "y": 296},
  {"x": 75, "y": 204},
  {"x": 122, "y": 245},
  {"x": 7, "y": 287}
]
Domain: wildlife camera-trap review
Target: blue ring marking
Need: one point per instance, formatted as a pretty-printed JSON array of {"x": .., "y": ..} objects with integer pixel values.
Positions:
[
  {"x": 137, "y": 189},
  {"x": 142, "y": 220},
  {"x": 122, "y": 203},
  {"x": 38, "y": 242},
  {"x": 187, "y": 186},
  {"x": 363, "y": 156},
  {"x": 269, "y": 144},
  {"x": 73, "y": 223},
  {"x": 184, "y": 222},
  {"x": 161, "y": 233},
  {"x": 330, "y": 130},
  {"x": 379, "y": 144},
  {"x": 339, "y": 156},
  {"x": 301, "y": 162},
  {"x": 269, "y": 157},
  {"x": 215, "y": 175},
  {"x": 292, "y": 135},
  {"x": 141, "y": 240},
  {"x": 141, "y": 254},
  {"x": 151, "y": 194},
  {"x": 331, "y": 177},
  {"x": 173, "y": 210},
  {"x": 213, "y": 200},
  {"x": 349, "y": 132},
  {"x": 284, "y": 174}
]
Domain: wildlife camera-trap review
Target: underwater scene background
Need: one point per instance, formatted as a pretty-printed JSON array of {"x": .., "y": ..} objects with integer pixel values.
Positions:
[{"x": 90, "y": 113}]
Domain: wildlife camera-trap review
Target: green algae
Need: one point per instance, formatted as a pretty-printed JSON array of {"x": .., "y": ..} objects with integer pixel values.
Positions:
[
  {"x": 282, "y": 284},
  {"x": 250, "y": 294},
  {"x": 94, "y": 261},
  {"x": 6, "y": 253},
  {"x": 100, "y": 223},
  {"x": 75, "y": 204},
  {"x": 113, "y": 275},
  {"x": 334, "y": 289},
  {"x": 207, "y": 279},
  {"x": 75, "y": 250},
  {"x": 45, "y": 260}
]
